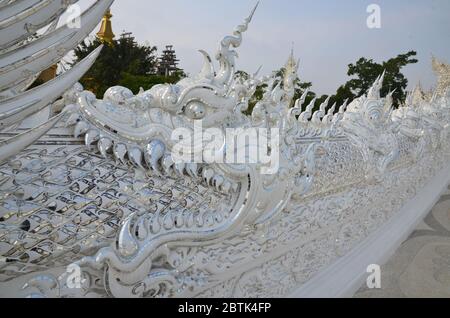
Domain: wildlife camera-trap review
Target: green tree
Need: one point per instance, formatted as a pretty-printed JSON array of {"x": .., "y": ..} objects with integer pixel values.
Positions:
[
  {"x": 124, "y": 63},
  {"x": 366, "y": 72},
  {"x": 135, "y": 82}
]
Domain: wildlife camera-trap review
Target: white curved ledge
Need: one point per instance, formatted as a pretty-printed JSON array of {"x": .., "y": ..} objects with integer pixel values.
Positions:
[
  {"x": 15, "y": 7},
  {"x": 344, "y": 277},
  {"x": 19, "y": 107},
  {"x": 47, "y": 50},
  {"x": 22, "y": 20},
  {"x": 16, "y": 144}
]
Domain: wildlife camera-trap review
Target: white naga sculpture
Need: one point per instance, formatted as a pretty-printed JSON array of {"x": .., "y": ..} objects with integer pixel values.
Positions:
[{"x": 92, "y": 203}]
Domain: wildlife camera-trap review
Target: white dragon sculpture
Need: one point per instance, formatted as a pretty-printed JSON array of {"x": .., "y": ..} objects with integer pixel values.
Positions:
[{"x": 139, "y": 224}]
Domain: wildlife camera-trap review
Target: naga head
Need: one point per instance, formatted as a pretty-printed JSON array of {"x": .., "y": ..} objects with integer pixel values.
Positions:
[
  {"x": 211, "y": 96},
  {"x": 371, "y": 110}
]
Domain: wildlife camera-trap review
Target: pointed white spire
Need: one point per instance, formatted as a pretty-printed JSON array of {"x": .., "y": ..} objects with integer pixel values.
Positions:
[{"x": 375, "y": 90}]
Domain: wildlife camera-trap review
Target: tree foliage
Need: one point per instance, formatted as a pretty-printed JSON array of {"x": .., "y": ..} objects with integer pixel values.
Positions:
[
  {"x": 124, "y": 63},
  {"x": 135, "y": 82},
  {"x": 366, "y": 72}
]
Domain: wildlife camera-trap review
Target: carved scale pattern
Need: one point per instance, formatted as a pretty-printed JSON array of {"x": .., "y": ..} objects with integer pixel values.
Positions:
[{"x": 61, "y": 203}]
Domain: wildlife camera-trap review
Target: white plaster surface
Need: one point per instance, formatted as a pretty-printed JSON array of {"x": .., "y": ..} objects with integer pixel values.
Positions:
[{"x": 420, "y": 268}]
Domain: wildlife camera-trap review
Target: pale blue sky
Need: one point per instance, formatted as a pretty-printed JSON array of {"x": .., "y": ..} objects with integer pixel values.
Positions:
[{"x": 328, "y": 34}]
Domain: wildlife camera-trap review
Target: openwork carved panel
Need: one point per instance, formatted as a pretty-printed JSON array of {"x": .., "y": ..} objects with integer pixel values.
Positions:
[{"x": 59, "y": 203}]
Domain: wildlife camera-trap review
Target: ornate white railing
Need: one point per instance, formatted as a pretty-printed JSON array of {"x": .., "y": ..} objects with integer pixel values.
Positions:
[{"x": 121, "y": 218}]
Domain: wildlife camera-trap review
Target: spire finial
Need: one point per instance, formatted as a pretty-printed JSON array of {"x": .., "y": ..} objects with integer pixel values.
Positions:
[
  {"x": 249, "y": 19},
  {"x": 105, "y": 34}
]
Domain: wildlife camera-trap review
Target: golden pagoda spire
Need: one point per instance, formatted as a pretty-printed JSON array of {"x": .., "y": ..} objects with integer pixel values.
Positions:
[{"x": 105, "y": 34}]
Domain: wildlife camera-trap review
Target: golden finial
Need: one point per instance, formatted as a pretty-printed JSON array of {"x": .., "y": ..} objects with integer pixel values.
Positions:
[{"x": 105, "y": 34}]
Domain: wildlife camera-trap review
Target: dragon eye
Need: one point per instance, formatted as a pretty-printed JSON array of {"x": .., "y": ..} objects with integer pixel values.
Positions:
[{"x": 195, "y": 110}]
